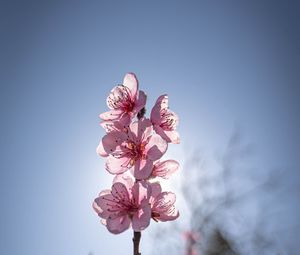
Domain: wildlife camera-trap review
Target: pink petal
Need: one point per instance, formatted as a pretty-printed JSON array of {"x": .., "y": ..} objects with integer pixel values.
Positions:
[
  {"x": 142, "y": 169},
  {"x": 161, "y": 103},
  {"x": 141, "y": 129},
  {"x": 126, "y": 178},
  {"x": 117, "y": 165},
  {"x": 171, "y": 214},
  {"x": 134, "y": 130},
  {"x": 119, "y": 224},
  {"x": 100, "y": 150},
  {"x": 156, "y": 147},
  {"x": 141, "y": 192},
  {"x": 99, "y": 206},
  {"x": 131, "y": 82},
  {"x": 141, "y": 219},
  {"x": 125, "y": 119},
  {"x": 111, "y": 115},
  {"x": 104, "y": 204},
  {"x": 164, "y": 200},
  {"x": 112, "y": 141},
  {"x": 145, "y": 129},
  {"x": 169, "y": 136},
  {"x": 173, "y": 136},
  {"x": 141, "y": 101},
  {"x": 164, "y": 207},
  {"x": 161, "y": 132},
  {"x": 155, "y": 190},
  {"x": 165, "y": 168},
  {"x": 110, "y": 126},
  {"x": 119, "y": 191}
]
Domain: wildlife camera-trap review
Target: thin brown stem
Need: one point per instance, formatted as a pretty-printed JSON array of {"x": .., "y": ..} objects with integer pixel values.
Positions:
[
  {"x": 136, "y": 242},
  {"x": 137, "y": 235}
]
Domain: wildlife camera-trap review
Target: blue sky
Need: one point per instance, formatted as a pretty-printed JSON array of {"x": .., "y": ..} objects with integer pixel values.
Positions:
[{"x": 224, "y": 64}]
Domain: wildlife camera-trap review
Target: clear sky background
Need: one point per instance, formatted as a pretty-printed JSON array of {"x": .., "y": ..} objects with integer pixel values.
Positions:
[{"x": 223, "y": 63}]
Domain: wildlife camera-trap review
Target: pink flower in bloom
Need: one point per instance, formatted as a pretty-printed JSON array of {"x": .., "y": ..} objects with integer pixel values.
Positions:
[
  {"x": 133, "y": 152},
  {"x": 164, "y": 120},
  {"x": 135, "y": 146},
  {"x": 124, "y": 101},
  {"x": 126, "y": 204},
  {"x": 164, "y": 169},
  {"x": 162, "y": 204}
]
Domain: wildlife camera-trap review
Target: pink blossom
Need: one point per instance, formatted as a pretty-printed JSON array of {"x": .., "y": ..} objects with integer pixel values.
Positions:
[
  {"x": 162, "y": 204},
  {"x": 164, "y": 169},
  {"x": 124, "y": 101},
  {"x": 126, "y": 204},
  {"x": 133, "y": 152},
  {"x": 135, "y": 146},
  {"x": 164, "y": 120}
]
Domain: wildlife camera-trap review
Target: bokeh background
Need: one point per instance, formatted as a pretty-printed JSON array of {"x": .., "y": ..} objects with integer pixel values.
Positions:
[{"x": 231, "y": 69}]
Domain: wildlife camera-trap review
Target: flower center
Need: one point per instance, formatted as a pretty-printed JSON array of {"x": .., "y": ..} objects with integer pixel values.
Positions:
[
  {"x": 120, "y": 98},
  {"x": 155, "y": 215},
  {"x": 169, "y": 120},
  {"x": 132, "y": 210},
  {"x": 136, "y": 152}
]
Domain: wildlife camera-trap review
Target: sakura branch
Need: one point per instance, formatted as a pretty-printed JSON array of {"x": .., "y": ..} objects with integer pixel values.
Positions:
[{"x": 133, "y": 147}]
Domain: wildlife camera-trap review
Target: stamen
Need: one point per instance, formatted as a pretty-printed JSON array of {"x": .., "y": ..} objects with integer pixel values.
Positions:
[{"x": 120, "y": 98}]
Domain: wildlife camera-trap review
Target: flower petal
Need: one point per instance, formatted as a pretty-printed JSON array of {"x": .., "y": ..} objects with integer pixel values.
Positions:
[
  {"x": 99, "y": 206},
  {"x": 125, "y": 119},
  {"x": 140, "y": 102},
  {"x": 155, "y": 191},
  {"x": 163, "y": 201},
  {"x": 156, "y": 147},
  {"x": 117, "y": 165},
  {"x": 171, "y": 214},
  {"x": 131, "y": 82},
  {"x": 163, "y": 207},
  {"x": 127, "y": 179},
  {"x": 141, "y": 219},
  {"x": 110, "y": 126},
  {"x": 173, "y": 136},
  {"x": 104, "y": 204},
  {"x": 165, "y": 168},
  {"x": 119, "y": 191},
  {"x": 141, "y": 192},
  {"x": 142, "y": 169},
  {"x": 169, "y": 136},
  {"x": 112, "y": 141},
  {"x": 119, "y": 224},
  {"x": 161, "y": 103},
  {"x": 100, "y": 150},
  {"x": 141, "y": 129},
  {"x": 111, "y": 115}
]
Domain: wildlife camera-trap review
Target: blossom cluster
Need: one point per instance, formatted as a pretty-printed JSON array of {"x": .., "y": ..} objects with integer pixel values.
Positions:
[{"x": 133, "y": 147}]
